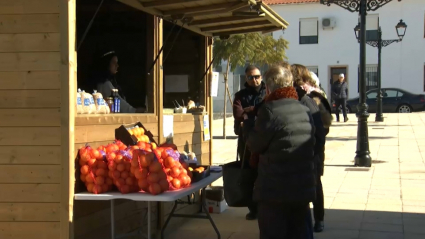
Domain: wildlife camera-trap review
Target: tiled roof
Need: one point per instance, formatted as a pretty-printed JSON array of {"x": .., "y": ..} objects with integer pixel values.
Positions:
[{"x": 276, "y": 2}]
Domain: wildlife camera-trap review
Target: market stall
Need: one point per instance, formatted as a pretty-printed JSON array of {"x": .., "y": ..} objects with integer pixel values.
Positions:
[{"x": 40, "y": 44}]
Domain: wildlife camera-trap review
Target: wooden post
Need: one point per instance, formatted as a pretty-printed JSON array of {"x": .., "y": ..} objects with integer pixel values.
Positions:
[
  {"x": 68, "y": 98},
  {"x": 225, "y": 98}
]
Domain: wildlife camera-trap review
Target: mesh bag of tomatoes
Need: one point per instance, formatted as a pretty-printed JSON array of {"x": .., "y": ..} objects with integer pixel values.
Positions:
[
  {"x": 119, "y": 165},
  {"x": 177, "y": 175},
  {"x": 94, "y": 170}
]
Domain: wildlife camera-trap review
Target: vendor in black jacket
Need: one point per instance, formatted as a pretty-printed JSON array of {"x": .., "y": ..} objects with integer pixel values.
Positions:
[{"x": 284, "y": 137}]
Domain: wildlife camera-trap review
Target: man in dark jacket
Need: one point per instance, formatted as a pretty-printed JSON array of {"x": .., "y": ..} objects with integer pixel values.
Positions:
[
  {"x": 339, "y": 95},
  {"x": 246, "y": 103},
  {"x": 284, "y": 137}
]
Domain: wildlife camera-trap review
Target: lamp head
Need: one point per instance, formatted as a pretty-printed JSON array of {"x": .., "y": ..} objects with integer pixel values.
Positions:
[
  {"x": 357, "y": 31},
  {"x": 401, "y": 29}
]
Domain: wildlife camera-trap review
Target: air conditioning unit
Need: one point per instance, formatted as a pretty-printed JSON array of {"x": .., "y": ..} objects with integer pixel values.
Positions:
[{"x": 328, "y": 22}]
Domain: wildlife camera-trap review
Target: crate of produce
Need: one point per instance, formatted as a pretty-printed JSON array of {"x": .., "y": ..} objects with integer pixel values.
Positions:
[
  {"x": 199, "y": 172},
  {"x": 133, "y": 133}
]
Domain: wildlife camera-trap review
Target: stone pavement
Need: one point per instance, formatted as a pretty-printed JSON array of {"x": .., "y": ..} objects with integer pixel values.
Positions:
[{"x": 386, "y": 201}]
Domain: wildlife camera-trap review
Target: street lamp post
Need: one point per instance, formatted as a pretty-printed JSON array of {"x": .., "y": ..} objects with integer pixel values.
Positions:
[
  {"x": 401, "y": 31},
  {"x": 362, "y": 6}
]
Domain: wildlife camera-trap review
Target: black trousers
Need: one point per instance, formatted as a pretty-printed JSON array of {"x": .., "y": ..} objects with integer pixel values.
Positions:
[
  {"x": 284, "y": 220},
  {"x": 245, "y": 155},
  {"x": 319, "y": 203},
  {"x": 343, "y": 103}
]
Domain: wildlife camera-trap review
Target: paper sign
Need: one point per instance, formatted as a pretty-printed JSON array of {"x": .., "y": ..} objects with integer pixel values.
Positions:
[
  {"x": 206, "y": 128},
  {"x": 214, "y": 84},
  {"x": 176, "y": 83},
  {"x": 167, "y": 125}
]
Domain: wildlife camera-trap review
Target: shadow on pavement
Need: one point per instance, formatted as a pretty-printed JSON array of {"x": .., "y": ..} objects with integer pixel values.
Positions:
[
  {"x": 339, "y": 224},
  {"x": 355, "y": 138},
  {"x": 370, "y": 124}
]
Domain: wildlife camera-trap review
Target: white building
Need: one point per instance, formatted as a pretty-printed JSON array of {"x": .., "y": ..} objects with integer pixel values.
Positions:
[{"x": 333, "y": 50}]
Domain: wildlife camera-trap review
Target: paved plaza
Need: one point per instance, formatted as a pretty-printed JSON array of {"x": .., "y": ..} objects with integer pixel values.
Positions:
[{"x": 386, "y": 201}]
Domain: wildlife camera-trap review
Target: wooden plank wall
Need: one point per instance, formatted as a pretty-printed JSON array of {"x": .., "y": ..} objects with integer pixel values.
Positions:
[
  {"x": 30, "y": 135},
  {"x": 189, "y": 135}
]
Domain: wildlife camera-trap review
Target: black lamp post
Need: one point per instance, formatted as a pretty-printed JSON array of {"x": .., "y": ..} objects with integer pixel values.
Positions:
[
  {"x": 362, "y": 6},
  {"x": 401, "y": 31}
]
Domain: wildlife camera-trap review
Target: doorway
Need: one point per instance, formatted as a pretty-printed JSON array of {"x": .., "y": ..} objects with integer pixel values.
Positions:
[{"x": 334, "y": 73}]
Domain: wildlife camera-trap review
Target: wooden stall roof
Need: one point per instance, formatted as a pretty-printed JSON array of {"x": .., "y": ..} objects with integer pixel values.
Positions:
[{"x": 215, "y": 17}]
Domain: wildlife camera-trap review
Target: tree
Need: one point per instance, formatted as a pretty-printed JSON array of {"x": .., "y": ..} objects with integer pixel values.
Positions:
[{"x": 255, "y": 48}]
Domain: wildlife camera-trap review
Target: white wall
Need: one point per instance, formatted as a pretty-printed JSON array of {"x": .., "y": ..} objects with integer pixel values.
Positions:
[{"x": 402, "y": 63}]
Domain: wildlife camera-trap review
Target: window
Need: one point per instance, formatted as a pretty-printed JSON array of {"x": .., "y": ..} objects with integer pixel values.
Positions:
[
  {"x": 390, "y": 94},
  {"x": 309, "y": 28},
  {"x": 400, "y": 94},
  {"x": 372, "y": 25},
  {"x": 372, "y": 95},
  {"x": 371, "y": 77},
  {"x": 314, "y": 69}
]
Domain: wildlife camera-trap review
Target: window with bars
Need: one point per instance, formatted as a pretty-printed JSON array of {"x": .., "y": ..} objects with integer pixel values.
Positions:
[
  {"x": 371, "y": 77},
  {"x": 372, "y": 26},
  {"x": 309, "y": 31}
]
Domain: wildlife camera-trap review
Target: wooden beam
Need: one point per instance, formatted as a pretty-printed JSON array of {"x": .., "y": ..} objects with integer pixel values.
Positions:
[
  {"x": 243, "y": 31},
  {"x": 215, "y": 21},
  {"x": 235, "y": 26},
  {"x": 217, "y": 12},
  {"x": 206, "y": 8},
  {"x": 277, "y": 21},
  {"x": 68, "y": 79},
  {"x": 162, "y": 3}
]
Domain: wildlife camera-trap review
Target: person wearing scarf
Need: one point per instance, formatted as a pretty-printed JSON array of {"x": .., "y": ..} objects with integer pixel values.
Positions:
[{"x": 283, "y": 136}]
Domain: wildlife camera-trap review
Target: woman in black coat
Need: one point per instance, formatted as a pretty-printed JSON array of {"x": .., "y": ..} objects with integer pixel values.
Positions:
[{"x": 283, "y": 136}]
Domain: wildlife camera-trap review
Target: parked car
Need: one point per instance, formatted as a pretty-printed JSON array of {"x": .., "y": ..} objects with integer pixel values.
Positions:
[{"x": 393, "y": 100}]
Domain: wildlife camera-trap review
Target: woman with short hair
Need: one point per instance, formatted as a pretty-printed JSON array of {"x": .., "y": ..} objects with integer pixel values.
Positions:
[
  {"x": 310, "y": 96},
  {"x": 283, "y": 136}
]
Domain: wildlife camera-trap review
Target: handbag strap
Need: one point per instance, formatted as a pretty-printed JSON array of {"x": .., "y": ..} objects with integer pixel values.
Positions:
[
  {"x": 243, "y": 156},
  {"x": 244, "y": 150}
]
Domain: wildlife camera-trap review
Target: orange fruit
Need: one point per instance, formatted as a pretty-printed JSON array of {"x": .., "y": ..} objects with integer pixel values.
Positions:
[
  {"x": 175, "y": 172},
  {"x": 90, "y": 187},
  {"x": 120, "y": 167},
  {"x": 124, "y": 175},
  {"x": 164, "y": 185},
  {"x": 108, "y": 181},
  {"x": 100, "y": 180},
  {"x": 116, "y": 174},
  {"x": 83, "y": 178},
  {"x": 102, "y": 164},
  {"x": 143, "y": 184},
  {"x": 129, "y": 181},
  {"x": 176, "y": 183},
  {"x": 155, "y": 167},
  {"x": 169, "y": 162},
  {"x": 154, "y": 189},
  {"x": 153, "y": 178},
  {"x": 84, "y": 169}
]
